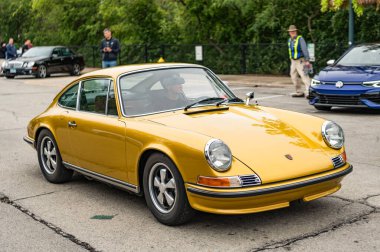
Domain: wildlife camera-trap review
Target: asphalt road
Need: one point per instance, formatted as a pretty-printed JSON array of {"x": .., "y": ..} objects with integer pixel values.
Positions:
[{"x": 38, "y": 216}]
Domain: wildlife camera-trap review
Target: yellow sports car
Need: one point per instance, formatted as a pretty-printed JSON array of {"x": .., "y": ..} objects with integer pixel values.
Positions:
[{"x": 176, "y": 134}]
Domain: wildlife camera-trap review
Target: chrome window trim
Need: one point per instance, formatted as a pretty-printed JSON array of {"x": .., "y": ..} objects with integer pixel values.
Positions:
[
  {"x": 161, "y": 68},
  {"x": 103, "y": 178}
]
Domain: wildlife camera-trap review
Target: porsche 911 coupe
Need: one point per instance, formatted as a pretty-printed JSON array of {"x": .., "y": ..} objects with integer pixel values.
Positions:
[
  {"x": 177, "y": 135},
  {"x": 352, "y": 81}
]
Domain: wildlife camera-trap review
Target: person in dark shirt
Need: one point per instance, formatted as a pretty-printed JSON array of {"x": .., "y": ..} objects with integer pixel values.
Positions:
[
  {"x": 3, "y": 49},
  {"x": 174, "y": 96},
  {"x": 110, "y": 48},
  {"x": 11, "y": 50}
]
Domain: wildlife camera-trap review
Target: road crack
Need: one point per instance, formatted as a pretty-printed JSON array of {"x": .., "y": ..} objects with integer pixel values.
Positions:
[
  {"x": 330, "y": 228},
  {"x": 4, "y": 199}
]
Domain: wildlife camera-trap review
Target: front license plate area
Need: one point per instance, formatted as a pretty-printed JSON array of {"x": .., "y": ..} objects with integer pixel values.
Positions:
[{"x": 13, "y": 70}]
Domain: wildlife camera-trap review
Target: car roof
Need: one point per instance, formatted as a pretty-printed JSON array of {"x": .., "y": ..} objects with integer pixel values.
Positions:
[{"x": 116, "y": 71}]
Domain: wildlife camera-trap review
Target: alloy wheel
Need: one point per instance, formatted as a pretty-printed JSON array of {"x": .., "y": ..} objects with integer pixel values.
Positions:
[
  {"x": 162, "y": 187},
  {"x": 42, "y": 71},
  {"x": 48, "y": 154},
  {"x": 76, "y": 69}
]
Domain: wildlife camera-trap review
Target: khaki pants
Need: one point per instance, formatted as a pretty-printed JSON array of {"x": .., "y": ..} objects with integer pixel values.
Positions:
[{"x": 296, "y": 71}]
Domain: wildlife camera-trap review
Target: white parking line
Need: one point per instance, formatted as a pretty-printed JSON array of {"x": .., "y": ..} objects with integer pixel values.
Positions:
[{"x": 268, "y": 97}]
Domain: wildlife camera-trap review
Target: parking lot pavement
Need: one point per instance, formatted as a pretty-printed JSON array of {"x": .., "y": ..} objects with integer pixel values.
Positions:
[{"x": 49, "y": 217}]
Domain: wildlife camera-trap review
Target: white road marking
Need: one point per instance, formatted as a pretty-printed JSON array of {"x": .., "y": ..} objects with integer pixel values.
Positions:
[{"x": 267, "y": 97}]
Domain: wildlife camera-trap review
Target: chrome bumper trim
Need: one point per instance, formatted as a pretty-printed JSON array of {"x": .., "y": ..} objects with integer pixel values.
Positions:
[
  {"x": 271, "y": 189},
  {"x": 29, "y": 141}
]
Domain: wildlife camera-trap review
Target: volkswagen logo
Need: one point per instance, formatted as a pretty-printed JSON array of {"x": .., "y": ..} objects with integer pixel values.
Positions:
[{"x": 339, "y": 84}]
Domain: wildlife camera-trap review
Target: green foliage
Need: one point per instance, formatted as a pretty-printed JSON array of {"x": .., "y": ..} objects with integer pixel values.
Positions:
[{"x": 234, "y": 32}]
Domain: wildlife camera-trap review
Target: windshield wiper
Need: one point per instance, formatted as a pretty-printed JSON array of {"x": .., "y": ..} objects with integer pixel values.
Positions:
[
  {"x": 235, "y": 99},
  {"x": 203, "y": 101}
]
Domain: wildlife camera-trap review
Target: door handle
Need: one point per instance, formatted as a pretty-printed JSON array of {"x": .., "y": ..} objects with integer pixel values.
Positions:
[{"x": 72, "y": 124}]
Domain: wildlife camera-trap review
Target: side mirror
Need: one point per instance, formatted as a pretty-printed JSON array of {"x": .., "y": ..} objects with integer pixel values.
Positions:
[
  {"x": 249, "y": 96},
  {"x": 54, "y": 55},
  {"x": 330, "y": 62}
]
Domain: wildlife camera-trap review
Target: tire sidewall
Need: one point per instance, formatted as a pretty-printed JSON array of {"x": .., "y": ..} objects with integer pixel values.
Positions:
[
  {"x": 61, "y": 174},
  {"x": 181, "y": 201}
]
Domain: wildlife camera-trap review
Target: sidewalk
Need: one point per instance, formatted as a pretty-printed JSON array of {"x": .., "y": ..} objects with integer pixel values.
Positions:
[{"x": 253, "y": 80}]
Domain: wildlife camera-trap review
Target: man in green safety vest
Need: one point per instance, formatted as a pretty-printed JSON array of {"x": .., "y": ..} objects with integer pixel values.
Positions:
[{"x": 299, "y": 58}]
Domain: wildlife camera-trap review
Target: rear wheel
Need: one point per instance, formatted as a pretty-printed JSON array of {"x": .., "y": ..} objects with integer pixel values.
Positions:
[
  {"x": 75, "y": 69},
  {"x": 165, "y": 192},
  {"x": 50, "y": 159},
  {"x": 324, "y": 108},
  {"x": 42, "y": 71}
]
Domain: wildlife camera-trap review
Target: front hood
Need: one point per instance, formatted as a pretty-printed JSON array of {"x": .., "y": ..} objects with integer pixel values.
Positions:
[
  {"x": 28, "y": 59},
  {"x": 349, "y": 74},
  {"x": 258, "y": 139}
]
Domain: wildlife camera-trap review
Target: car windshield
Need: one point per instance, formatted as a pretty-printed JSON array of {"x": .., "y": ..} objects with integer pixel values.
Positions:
[
  {"x": 37, "y": 52},
  {"x": 365, "y": 55},
  {"x": 170, "y": 89}
]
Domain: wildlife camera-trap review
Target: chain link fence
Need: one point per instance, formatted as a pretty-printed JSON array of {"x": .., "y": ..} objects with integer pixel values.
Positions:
[{"x": 264, "y": 58}]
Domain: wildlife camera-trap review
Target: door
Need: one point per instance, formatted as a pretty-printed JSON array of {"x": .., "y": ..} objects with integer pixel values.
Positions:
[
  {"x": 97, "y": 136},
  {"x": 54, "y": 65}
]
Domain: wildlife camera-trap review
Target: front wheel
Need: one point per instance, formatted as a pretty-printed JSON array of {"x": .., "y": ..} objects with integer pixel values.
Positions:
[
  {"x": 50, "y": 159},
  {"x": 42, "y": 71},
  {"x": 165, "y": 192}
]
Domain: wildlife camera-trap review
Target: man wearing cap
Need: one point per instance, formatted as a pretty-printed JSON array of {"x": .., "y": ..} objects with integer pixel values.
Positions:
[{"x": 299, "y": 58}]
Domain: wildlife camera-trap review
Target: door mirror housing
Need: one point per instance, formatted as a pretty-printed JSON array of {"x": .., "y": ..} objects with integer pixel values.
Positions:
[
  {"x": 54, "y": 55},
  {"x": 330, "y": 62},
  {"x": 249, "y": 96}
]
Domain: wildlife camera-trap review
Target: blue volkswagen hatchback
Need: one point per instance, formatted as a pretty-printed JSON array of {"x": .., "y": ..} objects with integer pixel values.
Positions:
[{"x": 351, "y": 81}]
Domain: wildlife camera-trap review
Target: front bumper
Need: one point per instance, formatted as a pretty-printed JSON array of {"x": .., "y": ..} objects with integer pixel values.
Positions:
[
  {"x": 265, "y": 197},
  {"x": 349, "y": 96},
  {"x": 19, "y": 71}
]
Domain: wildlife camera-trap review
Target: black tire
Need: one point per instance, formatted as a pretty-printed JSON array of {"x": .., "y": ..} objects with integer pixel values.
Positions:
[
  {"x": 42, "y": 71},
  {"x": 324, "y": 108},
  {"x": 180, "y": 211},
  {"x": 50, "y": 159},
  {"x": 75, "y": 70},
  {"x": 9, "y": 76}
]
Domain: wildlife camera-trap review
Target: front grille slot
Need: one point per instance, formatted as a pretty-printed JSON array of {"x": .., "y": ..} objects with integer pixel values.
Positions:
[
  {"x": 250, "y": 180},
  {"x": 339, "y": 99},
  {"x": 338, "y": 161}
]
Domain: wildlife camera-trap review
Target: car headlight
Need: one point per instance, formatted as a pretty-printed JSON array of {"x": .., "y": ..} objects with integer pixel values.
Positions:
[
  {"x": 31, "y": 63},
  {"x": 315, "y": 82},
  {"x": 333, "y": 135},
  {"x": 5, "y": 64},
  {"x": 218, "y": 155},
  {"x": 372, "y": 83}
]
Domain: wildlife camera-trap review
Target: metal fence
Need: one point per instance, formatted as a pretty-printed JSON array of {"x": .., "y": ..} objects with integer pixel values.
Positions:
[{"x": 264, "y": 58}]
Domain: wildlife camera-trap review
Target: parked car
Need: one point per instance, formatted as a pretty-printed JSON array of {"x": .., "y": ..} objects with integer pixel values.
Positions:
[
  {"x": 42, "y": 61},
  {"x": 351, "y": 81},
  {"x": 177, "y": 134}
]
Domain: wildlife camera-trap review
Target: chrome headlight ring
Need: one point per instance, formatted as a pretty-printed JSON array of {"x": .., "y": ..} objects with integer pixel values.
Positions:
[
  {"x": 333, "y": 135},
  {"x": 218, "y": 155}
]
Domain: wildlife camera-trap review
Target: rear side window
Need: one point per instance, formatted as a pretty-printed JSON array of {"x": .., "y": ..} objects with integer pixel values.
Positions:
[
  {"x": 69, "y": 98},
  {"x": 93, "y": 96}
]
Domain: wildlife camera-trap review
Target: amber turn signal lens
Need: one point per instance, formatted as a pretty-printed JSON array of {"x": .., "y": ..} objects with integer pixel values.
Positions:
[
  {"x": 344, "y": 156},
  {"x": 219, "y": 181}
]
